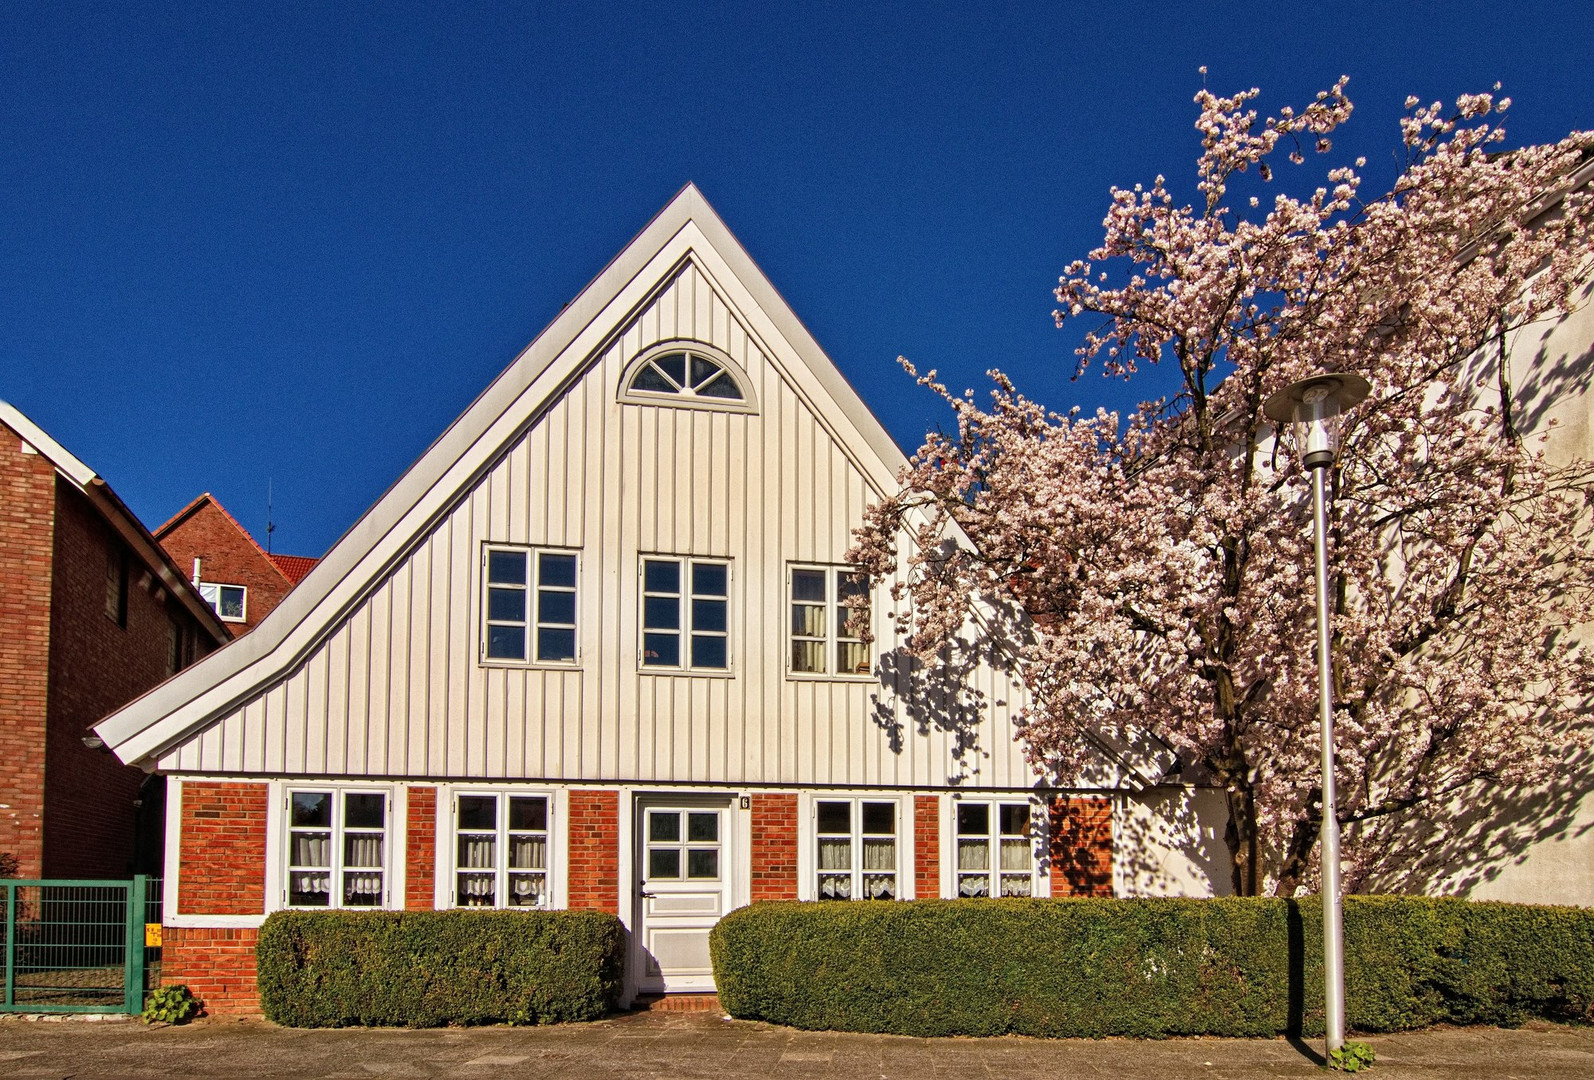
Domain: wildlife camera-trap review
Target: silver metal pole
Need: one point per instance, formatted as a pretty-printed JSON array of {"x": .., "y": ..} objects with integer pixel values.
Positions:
[{"x": 1333, "y": 930}]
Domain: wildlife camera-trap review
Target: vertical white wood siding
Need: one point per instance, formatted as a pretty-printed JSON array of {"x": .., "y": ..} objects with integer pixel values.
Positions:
[{"x": 396, "y": 688}]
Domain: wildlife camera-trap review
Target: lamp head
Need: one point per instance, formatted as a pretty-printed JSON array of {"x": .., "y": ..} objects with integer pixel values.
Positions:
[{"x": 1311, "y": 410}]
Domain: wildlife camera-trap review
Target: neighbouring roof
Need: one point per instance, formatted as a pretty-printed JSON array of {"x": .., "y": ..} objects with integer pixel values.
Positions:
[
  {"x": 115, "y": 512},
  {"x": 294, "y": 567}
]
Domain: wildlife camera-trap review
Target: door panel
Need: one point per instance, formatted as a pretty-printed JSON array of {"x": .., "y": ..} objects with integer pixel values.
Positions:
[{"x": 682, "y": 860}]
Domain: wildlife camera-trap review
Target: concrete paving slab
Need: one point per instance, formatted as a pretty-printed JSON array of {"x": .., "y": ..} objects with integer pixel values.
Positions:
[{"x": 699, "y": 1046}]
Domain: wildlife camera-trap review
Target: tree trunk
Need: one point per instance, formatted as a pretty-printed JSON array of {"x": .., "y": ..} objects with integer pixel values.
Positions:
[{"x": 1240, "y": 835}]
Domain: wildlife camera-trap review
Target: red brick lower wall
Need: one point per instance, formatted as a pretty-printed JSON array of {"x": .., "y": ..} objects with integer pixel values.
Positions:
[
  {"x": 222, "y": 849},
  {"x": 774, "y": 847},
  {"x": 217, "y": 964},
  {"x": 1081, "y": 846},
  {"x": 420, "y": 850},
  {"x": 926, "y": 847},
  {"x": 594, "y": 856}
]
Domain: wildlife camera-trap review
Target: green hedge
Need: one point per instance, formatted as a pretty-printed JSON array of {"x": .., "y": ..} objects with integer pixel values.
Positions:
[
  {"x": 429, "y": 968},
  {"x": 1149, "y": 968}
]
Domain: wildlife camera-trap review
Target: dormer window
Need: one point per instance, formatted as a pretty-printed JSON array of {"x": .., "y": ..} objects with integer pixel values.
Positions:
[{"x": 684, "y": 375}]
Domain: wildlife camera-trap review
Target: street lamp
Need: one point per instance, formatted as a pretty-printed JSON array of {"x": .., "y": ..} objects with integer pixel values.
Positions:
[{"x": 1311, "y": 410}]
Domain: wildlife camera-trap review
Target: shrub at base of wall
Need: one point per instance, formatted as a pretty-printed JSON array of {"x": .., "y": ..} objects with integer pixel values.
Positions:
[
  {"x": 1149, "y": 968},
  {"x": 430, "y": 968}
]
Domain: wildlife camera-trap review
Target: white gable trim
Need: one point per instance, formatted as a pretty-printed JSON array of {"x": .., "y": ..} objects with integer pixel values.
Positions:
[{"x": 686, "y": 229}]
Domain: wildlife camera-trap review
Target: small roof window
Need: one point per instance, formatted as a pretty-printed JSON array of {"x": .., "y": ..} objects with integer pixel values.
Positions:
[{"x": 683, "y": 373}]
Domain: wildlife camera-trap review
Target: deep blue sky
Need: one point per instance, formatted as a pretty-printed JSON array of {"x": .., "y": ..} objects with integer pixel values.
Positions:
[{"x": 251, "y": 242}]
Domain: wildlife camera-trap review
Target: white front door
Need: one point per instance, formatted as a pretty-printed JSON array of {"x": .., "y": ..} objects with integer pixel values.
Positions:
[{"x": 683, "y": 861}]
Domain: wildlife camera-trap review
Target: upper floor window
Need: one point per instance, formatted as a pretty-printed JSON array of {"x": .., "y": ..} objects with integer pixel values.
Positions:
[
  {"x": 827, "y": 634},
  {"x": 686, "y": 613},
  {"x": 337, "y": 848},
  {"x": 229, "y": 601},
  {"x": 995, "y": 850},
  {"x": 116, "y": 584},
  {"x": 687, "y": 374},
  {"x": 529, "y": 606}
]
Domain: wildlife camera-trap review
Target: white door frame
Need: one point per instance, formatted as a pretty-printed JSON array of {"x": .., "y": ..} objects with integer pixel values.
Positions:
[{"x": 735, "y": 824}]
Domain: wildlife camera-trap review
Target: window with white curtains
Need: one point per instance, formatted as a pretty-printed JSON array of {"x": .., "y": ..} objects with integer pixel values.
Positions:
[
  {"x": 337, "y": 848},
  {"x": 826, "y": 634},
  {"x": 857, "y": 854},
  {"x": 500, "y": 850},
  {"x": 995, "y": 849}
]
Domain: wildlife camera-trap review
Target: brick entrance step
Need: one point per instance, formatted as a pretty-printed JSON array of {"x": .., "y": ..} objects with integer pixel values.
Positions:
[{"x": 677, "y": 1003}]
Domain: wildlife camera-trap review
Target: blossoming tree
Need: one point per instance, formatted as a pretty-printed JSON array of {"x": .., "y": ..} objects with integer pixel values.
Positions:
[{"x": 1165, "y": 556}]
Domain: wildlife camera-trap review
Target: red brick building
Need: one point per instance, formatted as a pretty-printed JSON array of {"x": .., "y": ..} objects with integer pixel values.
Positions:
[
  {"x": 92, "y": 614},
  {"x": 233, "y": 572}
]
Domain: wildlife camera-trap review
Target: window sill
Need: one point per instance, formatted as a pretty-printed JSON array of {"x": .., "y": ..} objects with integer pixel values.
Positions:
[
  {"x": 814, "y": 676},
  {"x": 691, "y": 673},
  {"x": 528, "y": 665}
]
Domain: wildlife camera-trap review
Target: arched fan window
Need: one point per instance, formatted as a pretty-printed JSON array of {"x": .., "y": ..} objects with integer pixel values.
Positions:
[{"x": 685, "y": 374}]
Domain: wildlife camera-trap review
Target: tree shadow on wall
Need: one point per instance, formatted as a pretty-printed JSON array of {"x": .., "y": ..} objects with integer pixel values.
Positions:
[
  {"x": 943, "y": 697},
  {"x": 1484, "y": 832}
]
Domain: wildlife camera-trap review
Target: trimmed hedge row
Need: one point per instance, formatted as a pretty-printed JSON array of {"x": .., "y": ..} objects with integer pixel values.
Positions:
[
  {"x": 1149, "y": 968},
  {"x": 429, "y": 968}
]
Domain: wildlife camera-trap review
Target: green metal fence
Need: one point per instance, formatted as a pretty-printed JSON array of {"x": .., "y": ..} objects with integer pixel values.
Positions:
[{"x": 78, "y": 946}]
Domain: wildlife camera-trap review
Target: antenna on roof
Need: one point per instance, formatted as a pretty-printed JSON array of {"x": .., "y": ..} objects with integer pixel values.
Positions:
[{"x": 270, "y": 527}]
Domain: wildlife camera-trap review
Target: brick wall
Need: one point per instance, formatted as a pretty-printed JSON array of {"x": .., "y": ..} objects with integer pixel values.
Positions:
[
  {"x": 96, "y": 665},
  {"x": 420, "y": 850},
  {"x": 926, "y": 847},
  {"x": 27, "y": 516},
  {"x": 774, "y": 856},
  {"x": 594, "y": 855},
  {"x": 1081, "y": 846},
  {"x": 228, "y": 555},
  {"x": 222, "y": 849},
  {"x": 216, "y": 963}
]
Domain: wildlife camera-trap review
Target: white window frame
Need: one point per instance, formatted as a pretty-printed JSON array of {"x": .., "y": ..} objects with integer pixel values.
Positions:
[
  {"x": 687, "y": 397},
  {"x": 902, "y": 823},
  {"x": 211, "y": 592},
  {"x": 531, "y": 625},
  {"x": 338, "y": 833},
  {"x": 502, "y": 832},
  {"x": 833, "y": 637},
  {"x": 685, "y": 628},
  {"x": 1035, "y": 840}
]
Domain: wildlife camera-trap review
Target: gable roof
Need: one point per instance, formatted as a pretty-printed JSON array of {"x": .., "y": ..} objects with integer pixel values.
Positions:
[
  {"x": 119, "y": 517},
  {"x": 293, "y": 568},
  {"x": 686, "y": 229}
]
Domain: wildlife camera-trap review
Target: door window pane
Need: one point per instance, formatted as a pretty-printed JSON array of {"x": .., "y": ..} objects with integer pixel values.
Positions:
[
  {"x": 703, "y": 827},
  {"x": 664, "y": 862},
  {"x": 703, "y": 863}
]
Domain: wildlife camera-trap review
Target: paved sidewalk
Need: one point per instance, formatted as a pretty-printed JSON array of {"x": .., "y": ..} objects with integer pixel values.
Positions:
[{"x": 688, "y": 1045}]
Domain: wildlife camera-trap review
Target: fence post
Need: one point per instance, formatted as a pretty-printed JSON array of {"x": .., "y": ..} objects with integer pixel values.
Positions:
[
  {"x": 133, "y": 973},
  {"x": 11, "y": 943}
]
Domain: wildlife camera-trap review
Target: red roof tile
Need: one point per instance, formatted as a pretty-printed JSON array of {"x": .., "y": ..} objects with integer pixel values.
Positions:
[{"x": 294, "y": 567}]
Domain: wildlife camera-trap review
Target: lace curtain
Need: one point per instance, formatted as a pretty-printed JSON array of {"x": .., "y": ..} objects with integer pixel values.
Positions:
[
  {"x": 528, "y": 852},
  {"x": 362, "y": 850},
  {"x": 311, "y": 849}
]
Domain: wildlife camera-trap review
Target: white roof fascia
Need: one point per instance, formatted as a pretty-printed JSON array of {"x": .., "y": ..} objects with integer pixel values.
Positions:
[
  {"x": 120, "y": 518},
  {"x": 182, "y": 706},
  {"x": 58, "y": 455}
]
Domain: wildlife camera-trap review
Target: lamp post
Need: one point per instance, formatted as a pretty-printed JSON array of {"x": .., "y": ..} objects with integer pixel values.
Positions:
[{"x": 1311, "y": 410}]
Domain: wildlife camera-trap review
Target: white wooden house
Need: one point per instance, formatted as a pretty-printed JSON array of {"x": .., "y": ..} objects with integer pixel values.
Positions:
[{"x": 590, "y": 651}]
